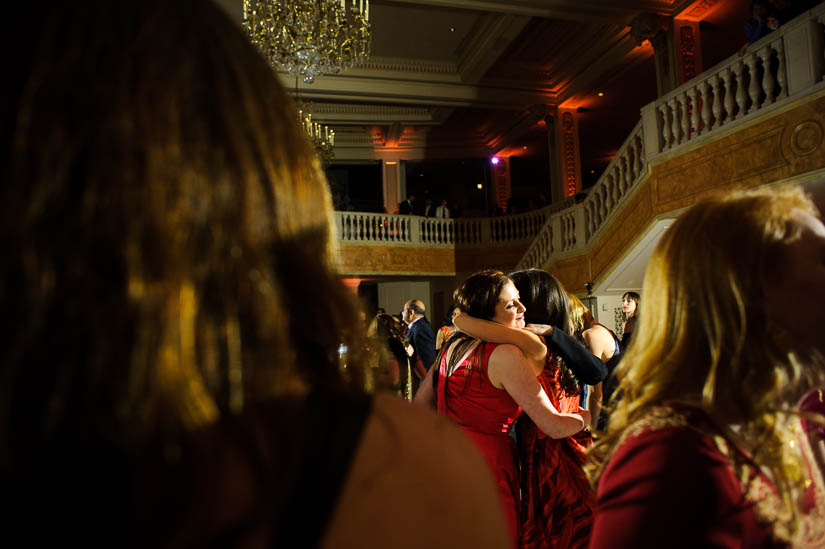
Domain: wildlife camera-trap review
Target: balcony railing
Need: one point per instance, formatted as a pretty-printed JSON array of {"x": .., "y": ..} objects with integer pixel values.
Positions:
[{"x": 382, "y": 229}]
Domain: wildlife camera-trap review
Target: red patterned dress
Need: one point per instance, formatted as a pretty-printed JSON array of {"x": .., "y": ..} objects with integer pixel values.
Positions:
[
  {"x": 486, "y": 413},
  {"x": 557, "y": 501}
]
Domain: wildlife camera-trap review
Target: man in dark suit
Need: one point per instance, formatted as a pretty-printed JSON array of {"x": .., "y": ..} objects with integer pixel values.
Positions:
[
  {"x": 408, "y": 206},
  {"x": 421, "y": 338},
  {"x": 429, "y": 209}
]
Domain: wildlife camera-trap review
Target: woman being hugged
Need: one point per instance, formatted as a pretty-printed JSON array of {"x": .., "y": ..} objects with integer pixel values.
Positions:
[
  {"x": 700, "y": 451},
  {"x": 484, "y": 386}
]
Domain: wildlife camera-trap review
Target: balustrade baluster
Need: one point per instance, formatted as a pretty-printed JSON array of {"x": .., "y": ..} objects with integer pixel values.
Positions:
[
  {"x": 730, "y": 103},
  {"x": 781, "y": 75},
  {"x": 628, "y": 172},
  {"x": 588, "y": 221},
  {"x": 674, "y": 123},
  {"x": 685, "y": 116},
  {"x": 741, "y": 98},
  {"x": 606, "y": 187},
  {"x": 754, "y": 88},
  {"x": 704, "y": 92},
  {"x": 694, "y": 113},
  {"x": 717, "y": 101},
  {"x": 667, "y": 133},
  {"x": 602, "y": 204},
  {"x": 639, "y": 148},
  {"x": 768, "y": 83}
]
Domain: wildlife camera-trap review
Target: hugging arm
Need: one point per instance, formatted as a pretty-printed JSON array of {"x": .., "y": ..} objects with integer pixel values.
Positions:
[
  {"x": 508, "y": 369},
  {"x": 529, "y": 343}
]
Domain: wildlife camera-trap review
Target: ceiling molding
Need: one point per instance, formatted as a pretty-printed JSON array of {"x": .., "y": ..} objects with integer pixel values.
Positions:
[
  {"x": 399, "y": 64},
  {"x": 490, "y": 39},
  {"x": 579, "y": 10},
  {"x": 351, "y": 114},
  {"x": 445, "y": 94}
]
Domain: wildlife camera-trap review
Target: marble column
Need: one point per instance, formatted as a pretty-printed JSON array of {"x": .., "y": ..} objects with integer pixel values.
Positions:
[{"x": 394, "y": 184}]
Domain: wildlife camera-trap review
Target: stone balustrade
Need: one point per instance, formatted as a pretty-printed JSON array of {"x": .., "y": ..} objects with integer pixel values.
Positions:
[{"x": 370, "y": 228}]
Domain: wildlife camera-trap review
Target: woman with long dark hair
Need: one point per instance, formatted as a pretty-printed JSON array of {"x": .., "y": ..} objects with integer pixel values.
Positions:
[
  {"x": 170, "y": 370},
  {"x": 484, "y": 386}
]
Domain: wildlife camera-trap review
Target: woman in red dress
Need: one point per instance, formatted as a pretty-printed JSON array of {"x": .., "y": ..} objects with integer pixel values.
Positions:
[
  {"x": 704, "y": 448},
  {"x": 557, "y": 501},
  {"x": 485, "y": 386}
]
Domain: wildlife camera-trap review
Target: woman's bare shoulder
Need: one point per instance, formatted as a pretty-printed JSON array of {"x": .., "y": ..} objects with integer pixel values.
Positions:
[{"x": 416, "y": 481}]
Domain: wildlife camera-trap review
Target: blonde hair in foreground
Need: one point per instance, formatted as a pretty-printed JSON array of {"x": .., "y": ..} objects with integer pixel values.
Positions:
[{"x": 704, "y": 336}]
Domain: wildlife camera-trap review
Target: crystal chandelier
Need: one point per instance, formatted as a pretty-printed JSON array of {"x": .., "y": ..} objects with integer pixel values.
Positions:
[
  {"x": 309, "y": 38},
  {"x": 321, "y": 137}
]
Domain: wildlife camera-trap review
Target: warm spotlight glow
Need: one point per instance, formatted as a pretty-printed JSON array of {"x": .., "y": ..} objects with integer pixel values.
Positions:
[
  {"x": 494, "y": 161},
  {"x": 601, "y": 94},
  {"x": 479, "y": 186},
  {"x": 524, "y": 147}
]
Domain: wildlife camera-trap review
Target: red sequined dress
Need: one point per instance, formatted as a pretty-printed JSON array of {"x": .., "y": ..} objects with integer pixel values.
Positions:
[{"x": 557, "y": 501}]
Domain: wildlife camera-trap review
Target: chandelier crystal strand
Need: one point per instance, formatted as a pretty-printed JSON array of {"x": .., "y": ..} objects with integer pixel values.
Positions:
[{"x": 309, "y": 38}]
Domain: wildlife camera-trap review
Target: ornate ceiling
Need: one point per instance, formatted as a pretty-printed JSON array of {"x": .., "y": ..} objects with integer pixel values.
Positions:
[{"x": 467, "y": 78}]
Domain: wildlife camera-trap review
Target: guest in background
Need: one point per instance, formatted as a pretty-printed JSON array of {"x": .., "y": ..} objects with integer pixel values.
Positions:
[
  {"x": 408, "y": 206},
  {"x": 429, "y": 209},
  {"x": 630, "y": 308},
  {"x": 172, "y": 318},
  {"x": 442, "y": 211},
  {"x": 421, "y": 337},
  {"x": 757, "y": 26},
  {"x": 392, "y": 355},
  {"x": 448, "y": 329},
  {"x": 603, "y": 343},
  {"x": 702, "y": 450}
]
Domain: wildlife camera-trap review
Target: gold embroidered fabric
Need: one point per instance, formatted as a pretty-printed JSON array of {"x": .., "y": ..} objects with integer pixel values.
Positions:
[{"x": 756, "y": 486}]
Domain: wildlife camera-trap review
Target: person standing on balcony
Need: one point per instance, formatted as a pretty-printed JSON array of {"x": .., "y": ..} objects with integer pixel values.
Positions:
[
  {"x": 442, "y": 212},
  {"x": 705, "y": 448},
  {"x": 429, "y": 209},
  {"x": 408, "y": 206},
  {"x": 421, "y": 337}
]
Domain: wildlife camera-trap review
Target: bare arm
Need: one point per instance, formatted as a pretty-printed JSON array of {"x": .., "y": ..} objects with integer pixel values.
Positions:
[
  {"x": 600, "y": 342},
  {"x": 508, "y": 369},
  {"x": 529, "y": 343},
  {"x": 594, "y": 404},
  {"x": 439, "y": 339},
  {"x": 425, "y": 395}
]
